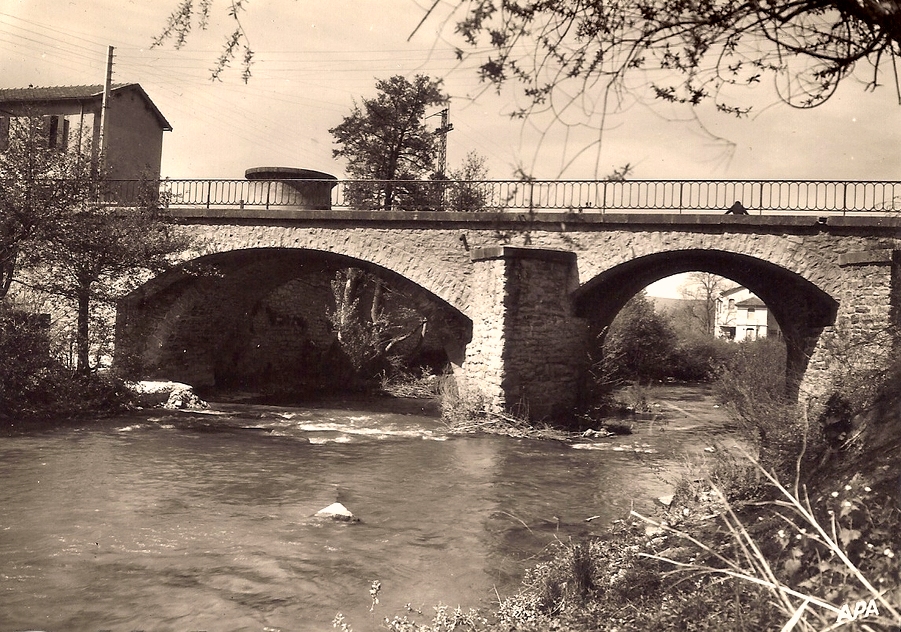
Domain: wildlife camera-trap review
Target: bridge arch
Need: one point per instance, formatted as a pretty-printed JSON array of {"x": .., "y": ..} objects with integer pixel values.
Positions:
[
  {"x": 436, "y": 261},
  {"x": 207, "y": 322},
  {"x": 801, "y": 308}
]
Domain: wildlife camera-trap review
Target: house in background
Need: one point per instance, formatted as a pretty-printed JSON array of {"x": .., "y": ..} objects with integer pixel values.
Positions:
[
  {"x": 740, "y": 316},
  {"x": 134, "y": 128}
]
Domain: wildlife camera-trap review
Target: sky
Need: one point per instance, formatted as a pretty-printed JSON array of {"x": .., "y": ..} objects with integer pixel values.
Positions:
[{"x": 313, "y": 58}]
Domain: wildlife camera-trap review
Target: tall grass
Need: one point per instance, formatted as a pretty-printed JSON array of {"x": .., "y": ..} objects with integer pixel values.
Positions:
[{"x": 810, "y": 596}]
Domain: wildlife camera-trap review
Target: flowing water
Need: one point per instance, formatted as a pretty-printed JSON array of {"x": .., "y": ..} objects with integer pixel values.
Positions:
[{"x": 205, "y": 521}]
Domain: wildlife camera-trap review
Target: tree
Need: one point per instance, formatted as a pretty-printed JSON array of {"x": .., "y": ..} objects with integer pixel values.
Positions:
[
  {"x": 702, "y": 289},
  {"x": 93, "y": 252},
  {"x": 558, "y": 46},
  {"x": 37, "y": 185},
  {"x": 639, "y": 341},
  {"x": 467, "y": 191},
  {"x": 370, "y": 320},
  {"x": 385, "y": 139}
]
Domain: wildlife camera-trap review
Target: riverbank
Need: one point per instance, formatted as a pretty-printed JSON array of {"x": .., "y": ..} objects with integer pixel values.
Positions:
[{"x": 737, "y": 549}]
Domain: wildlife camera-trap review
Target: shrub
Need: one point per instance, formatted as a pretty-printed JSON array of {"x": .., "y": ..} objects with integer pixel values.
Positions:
[
  {"x": 34, "y": 385},
  {"x": 752, "y": 383},
  {"x": 697, "y": 358}
]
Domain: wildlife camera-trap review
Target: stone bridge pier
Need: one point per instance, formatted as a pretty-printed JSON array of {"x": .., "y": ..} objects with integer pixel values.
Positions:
[
  {"x": 863, "y": 340},
  {"x": 527, "y": 353}
]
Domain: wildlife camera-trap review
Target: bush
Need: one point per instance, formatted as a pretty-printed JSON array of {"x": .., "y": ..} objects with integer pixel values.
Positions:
[
  {"x": 638, "y": 343},
  {"x": 697, "y": 358},
  {"x": 752, "y": 383},
  {"x": 34, "y": 385}
]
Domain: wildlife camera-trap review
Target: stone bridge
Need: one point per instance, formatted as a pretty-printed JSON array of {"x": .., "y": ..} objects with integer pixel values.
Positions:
[{"x": 512, "y": 297}]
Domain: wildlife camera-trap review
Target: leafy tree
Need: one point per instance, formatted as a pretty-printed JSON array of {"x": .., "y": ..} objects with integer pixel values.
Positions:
[
  {"x": 370, "y": 320},
  {"x": 93, "y": 252},
  {"x": 385, "y": 139},
  {"x": 467, "y": 190},
  {"x": 697, "y": 49},
  {"x": 37, "y": 185},
  {"x": 552, "y": 46},
  {"x": 639, "y": 342}
]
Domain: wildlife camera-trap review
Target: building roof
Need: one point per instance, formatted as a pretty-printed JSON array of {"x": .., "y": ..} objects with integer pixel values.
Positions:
[
  {"x": 753, "y": 301},
  {"x": 734, "y": 290},
  {"x": 77, "y": 94}
]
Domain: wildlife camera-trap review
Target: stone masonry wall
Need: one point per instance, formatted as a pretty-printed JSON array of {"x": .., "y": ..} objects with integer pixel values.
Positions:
[
  {"x": 482, "y": 371},
  {"x": 545, "y": 346},
  {"x": 863, "y": 341},
  {"x": 433, "y": 251}
]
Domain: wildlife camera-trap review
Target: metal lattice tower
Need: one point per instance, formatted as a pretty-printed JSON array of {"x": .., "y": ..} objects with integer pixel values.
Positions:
[{"x": 441, "y": 133}]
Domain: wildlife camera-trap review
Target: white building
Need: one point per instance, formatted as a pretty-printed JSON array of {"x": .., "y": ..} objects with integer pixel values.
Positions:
[{"x": 740, "y": 316}]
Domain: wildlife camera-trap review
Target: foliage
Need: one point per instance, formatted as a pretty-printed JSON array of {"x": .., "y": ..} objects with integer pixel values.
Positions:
[
  {"x": 687, "y": 51},
  {"x": 78, "y": 248},
  {"x": 34, "y": 385},
  {"x": 421, "y": 383},
  {"x": 467, "y": 189},
  {"x": 94, "y": 251},
  {"x": 752, "y": 383},
  {"x": 696, "y": 358},
  {"x": 39, "y": 183},
  {"x": 385, "y": 139},
  {"x": 679, "y": 51},
  {"x": 371, "y": 321},
  {"x": 638, "y": 342}
]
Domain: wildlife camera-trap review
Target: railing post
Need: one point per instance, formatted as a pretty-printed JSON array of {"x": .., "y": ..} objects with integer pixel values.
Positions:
[
  {"x": 681, "y": 188},
  {"x": 209, "y": 192},
  {"x": 268, "y": 190}
]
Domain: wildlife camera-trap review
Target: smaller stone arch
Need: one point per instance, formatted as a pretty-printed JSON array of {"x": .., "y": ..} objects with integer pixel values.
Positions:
[{"x": 802, "y": 309}]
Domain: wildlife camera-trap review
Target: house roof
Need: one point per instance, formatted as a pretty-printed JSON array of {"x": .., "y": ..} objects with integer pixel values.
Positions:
[
  {"x": 734, "y": 290},
  {"x": 753, "y": 301},
  {"x": 76, "y": 94}
]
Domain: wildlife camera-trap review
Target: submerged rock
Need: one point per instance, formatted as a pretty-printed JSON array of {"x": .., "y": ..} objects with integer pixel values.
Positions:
[{"x": 337, "y": 511}]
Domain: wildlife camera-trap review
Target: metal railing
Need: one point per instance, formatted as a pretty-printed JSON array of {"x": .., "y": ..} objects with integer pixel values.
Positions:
[{"x": 670, "y": 196}]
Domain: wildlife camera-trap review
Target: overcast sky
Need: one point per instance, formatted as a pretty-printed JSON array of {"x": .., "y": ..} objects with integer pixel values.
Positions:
[{"x": 313, "y": 57}]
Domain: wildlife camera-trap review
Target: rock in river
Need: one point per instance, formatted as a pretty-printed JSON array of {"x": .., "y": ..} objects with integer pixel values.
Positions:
[{"x": 337, "y": 511}]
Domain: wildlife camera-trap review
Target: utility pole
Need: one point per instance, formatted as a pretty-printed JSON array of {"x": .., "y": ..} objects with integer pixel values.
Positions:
[
  {"x": 441, "y": 133},
  {"x": 104, "y": 109}
]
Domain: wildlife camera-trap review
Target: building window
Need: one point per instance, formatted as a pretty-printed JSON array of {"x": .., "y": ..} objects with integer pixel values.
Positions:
[
  {"x": 4, "y": 133},
  {"x": 57, "y": 132}
]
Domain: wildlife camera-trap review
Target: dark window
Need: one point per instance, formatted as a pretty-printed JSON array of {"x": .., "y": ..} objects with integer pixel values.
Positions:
[
  {"x": 4, "y": 133},
  {"x": 57, "y": 129}
]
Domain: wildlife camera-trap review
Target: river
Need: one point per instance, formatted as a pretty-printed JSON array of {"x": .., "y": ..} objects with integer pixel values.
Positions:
[{"x": 182, "y": 521}]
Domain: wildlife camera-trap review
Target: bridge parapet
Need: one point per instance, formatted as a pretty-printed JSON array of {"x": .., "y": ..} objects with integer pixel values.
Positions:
[{"x": 599, "y": 196}]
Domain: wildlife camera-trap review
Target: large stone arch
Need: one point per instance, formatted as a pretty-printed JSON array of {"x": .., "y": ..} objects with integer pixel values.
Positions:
[
  {"x": 434, "y": 260},
  {"x": 802, "y": 308},
  {"x": 193, "y": 323}
]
